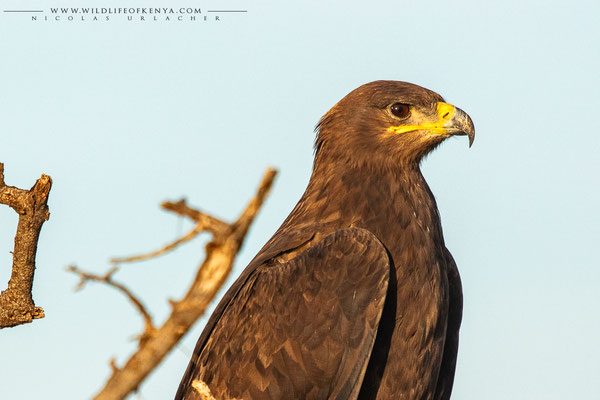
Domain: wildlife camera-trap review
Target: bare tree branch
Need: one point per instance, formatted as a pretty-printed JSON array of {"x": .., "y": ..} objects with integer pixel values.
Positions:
[
  {"x": 16, "y": 302},
  {"x": 210, "y": 223},
  {"x": 165, "y": 249},
  {"x": 107, "y": 279},
  {"x": 220, "y": 255}
]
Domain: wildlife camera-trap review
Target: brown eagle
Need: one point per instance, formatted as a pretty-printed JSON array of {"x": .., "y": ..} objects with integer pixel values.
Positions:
[{"x": 355, "y": 296}]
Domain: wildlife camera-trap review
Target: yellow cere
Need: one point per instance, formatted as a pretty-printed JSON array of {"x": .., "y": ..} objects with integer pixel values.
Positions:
[{"x": 445, "y": 113}]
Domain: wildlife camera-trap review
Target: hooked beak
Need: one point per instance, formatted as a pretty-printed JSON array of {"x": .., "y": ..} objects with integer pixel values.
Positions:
[{"x": 459, "y": 123}]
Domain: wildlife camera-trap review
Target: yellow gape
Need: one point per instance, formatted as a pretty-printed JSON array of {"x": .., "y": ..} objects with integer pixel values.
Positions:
[{"x": 445, "y": 113}]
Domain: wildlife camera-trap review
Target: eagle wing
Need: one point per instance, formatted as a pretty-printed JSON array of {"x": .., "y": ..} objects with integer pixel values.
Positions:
[
  {"x": 446, "y": 376},
  {"x": 301, "y": 329}
]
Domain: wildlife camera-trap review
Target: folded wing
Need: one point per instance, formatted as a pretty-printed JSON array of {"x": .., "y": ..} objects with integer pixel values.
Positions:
[{"x": 303, "y": 329}]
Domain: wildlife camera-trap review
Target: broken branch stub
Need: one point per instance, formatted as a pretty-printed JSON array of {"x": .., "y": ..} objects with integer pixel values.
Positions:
[{"x": 16, "y": 302}]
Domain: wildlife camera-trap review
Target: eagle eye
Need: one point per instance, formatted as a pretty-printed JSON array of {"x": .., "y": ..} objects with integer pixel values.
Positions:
[{"x": 400, "y": 110}]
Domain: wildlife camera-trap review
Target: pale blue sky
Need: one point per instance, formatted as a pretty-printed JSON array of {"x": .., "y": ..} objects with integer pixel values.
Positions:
[{"x": 125, "y": 115}]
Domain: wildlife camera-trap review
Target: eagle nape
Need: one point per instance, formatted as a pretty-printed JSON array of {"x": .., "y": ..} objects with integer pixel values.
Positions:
[{"x": 355, "y": 296}]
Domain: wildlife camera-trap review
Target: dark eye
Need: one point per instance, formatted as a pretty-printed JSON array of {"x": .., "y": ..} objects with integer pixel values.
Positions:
[{"x": 400, "y": 110}]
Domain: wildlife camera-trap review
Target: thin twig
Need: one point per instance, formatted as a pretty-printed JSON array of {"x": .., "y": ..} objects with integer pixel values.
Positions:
[
  {"x": 16, "y": 303},
  {"x": 107, "y": 279},
  {"x": 165, "y": 249}
]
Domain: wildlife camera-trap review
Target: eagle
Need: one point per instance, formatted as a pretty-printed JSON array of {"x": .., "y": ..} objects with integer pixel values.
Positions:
[{"x": 356, "y": 295}]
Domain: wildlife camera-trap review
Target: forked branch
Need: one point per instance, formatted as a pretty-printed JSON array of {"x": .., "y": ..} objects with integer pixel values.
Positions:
[
  {"x": 221, "y": 252},
  {"x": 107, "y": 279}
]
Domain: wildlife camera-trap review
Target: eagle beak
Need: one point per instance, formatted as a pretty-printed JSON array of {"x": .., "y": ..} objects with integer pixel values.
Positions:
[{"x": 457, "y": 121}]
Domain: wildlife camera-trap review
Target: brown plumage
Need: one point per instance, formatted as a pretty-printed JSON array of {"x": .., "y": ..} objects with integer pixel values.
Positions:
[{"x": 355, "y": 295}]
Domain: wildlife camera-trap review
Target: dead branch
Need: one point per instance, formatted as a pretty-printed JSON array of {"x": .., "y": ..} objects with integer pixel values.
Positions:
[
  {"x": 210, "y": 223},
  {"x": 16, "y": 302},
  {"x": 221, "y": 252},
  {"x": 107, "y": 279},
  {"x": 169, "y": 247}
]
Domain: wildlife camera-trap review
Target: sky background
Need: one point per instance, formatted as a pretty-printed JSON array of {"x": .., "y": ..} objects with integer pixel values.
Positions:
[{"x": 126, "y": 114}]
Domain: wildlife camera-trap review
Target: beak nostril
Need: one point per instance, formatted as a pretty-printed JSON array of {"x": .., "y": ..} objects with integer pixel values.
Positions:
[{"x": 446, "y": 114}]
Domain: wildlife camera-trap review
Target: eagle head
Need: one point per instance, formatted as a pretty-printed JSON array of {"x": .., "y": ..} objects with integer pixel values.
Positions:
[{"x": 398, "y": 122}]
